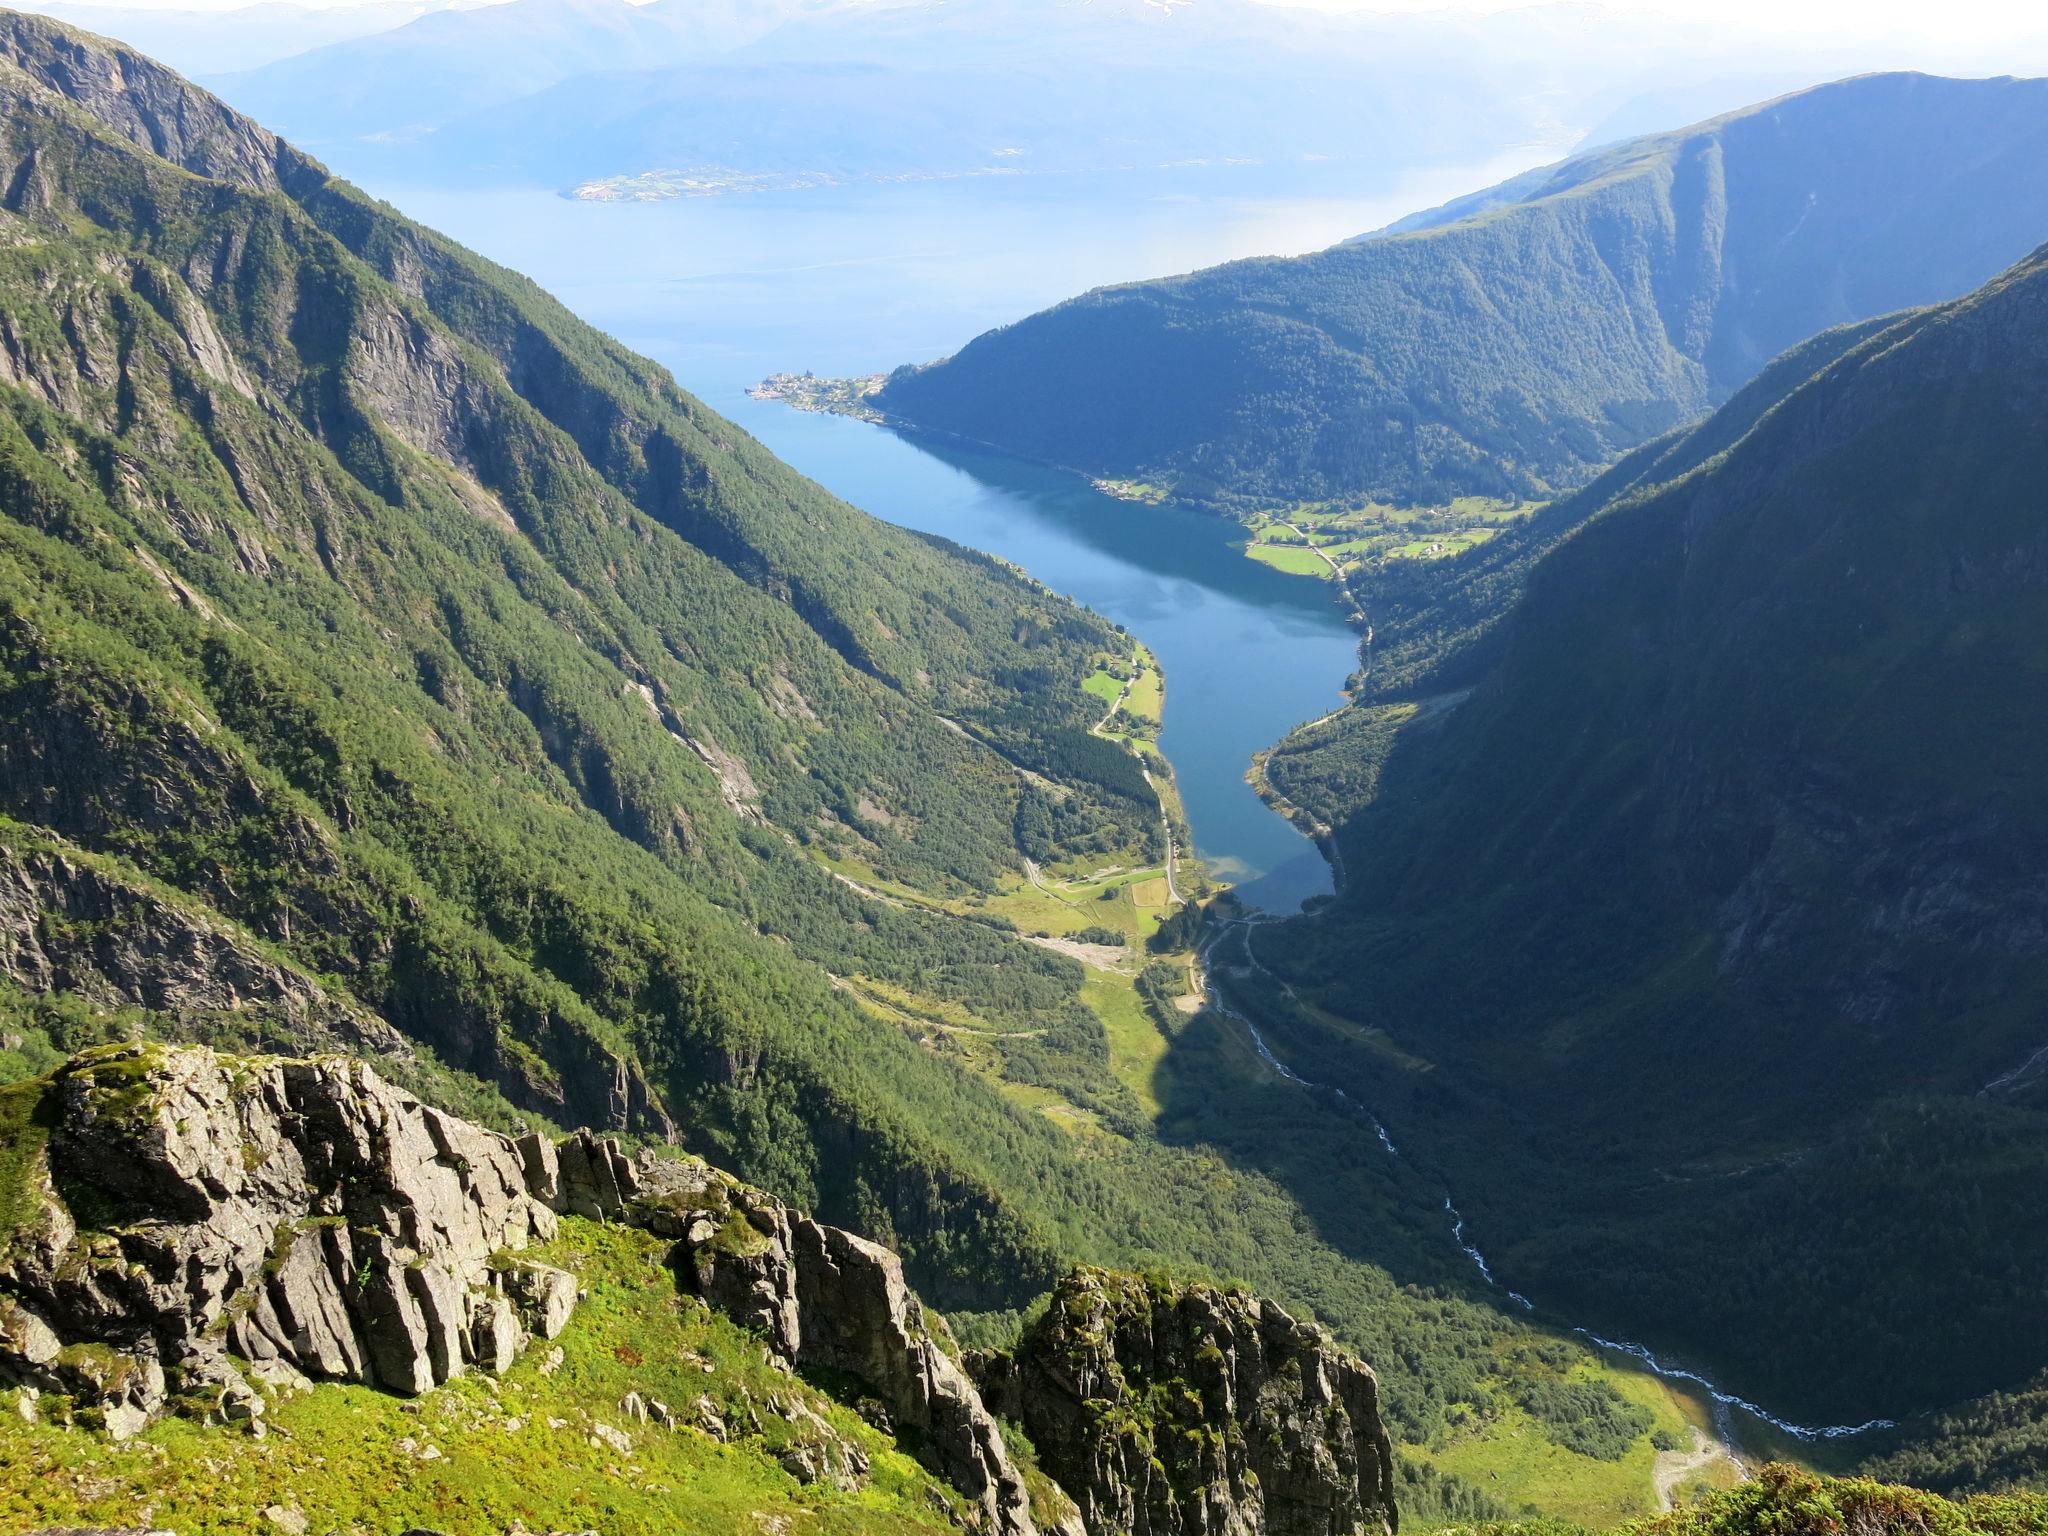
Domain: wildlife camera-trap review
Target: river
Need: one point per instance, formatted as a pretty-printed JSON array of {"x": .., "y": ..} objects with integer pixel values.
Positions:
[
  {"x": 725, "y": 290},
  {"x": 846, "y": 281}
]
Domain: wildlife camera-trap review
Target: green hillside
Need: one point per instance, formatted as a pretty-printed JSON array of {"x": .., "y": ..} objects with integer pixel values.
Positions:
[
  {"x": 1545, "y": 329},
  {"x": 1437, "y": 627},
  {"x": 395, "y": 665},
  {"x": 1704, "y": 892},
  {"x": 366, "y": 611}
]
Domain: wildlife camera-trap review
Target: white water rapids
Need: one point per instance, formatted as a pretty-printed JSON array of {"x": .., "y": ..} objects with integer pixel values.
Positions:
[{"x": 1212, "y": 989}]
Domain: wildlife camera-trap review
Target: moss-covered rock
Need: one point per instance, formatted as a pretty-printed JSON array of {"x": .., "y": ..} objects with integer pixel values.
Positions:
[{"x": 1186, "y": 1410}]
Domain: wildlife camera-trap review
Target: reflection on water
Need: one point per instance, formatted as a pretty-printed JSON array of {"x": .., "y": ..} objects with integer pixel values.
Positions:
[
  {"x": 726, "y": 290},
  {"x": 1249, "y": 653}
]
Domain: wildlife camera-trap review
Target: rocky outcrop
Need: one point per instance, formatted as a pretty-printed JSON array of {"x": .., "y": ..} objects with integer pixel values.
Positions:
[
  {"x": 187, "y": 1229},
  {"x": 1169, "y": 1410},
  {"x": 147, "y": 104},
  {"x": 818, "y": 1295},
  {"x": 194, "y": 1219},
  {"x": 186, "y": 1221},
  {"x": 858, "y": 1316}
]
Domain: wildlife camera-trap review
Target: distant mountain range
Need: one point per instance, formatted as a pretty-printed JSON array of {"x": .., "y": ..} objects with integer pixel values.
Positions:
[
  {"x": 399, "y": 84},
  {"x": 242, "y": 37},
  {"x": 745, "y": 93},
  {"x": 1515, "y": 341},
  {"x": 1022, "y": 88},
  {"x": 559, "y": 91}
]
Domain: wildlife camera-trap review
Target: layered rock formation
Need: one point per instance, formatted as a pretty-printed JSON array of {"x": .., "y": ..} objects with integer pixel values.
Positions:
[
  {"x": 1168, "y": 1410},
  {"x": 820, "y": 1296},
  {"x": 185, "y": 1220},
  {"x": 70, "y": 923},
  {"x": 188, "y": 1214}
]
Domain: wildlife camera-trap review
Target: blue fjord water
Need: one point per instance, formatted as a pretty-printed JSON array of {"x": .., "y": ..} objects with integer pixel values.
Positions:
[
  {"x": 850, "y": 281},
  {"x": 725, "y": 290}
]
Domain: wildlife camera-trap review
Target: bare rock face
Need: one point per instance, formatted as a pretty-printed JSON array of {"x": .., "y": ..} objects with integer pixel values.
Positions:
[
  {"x": 194, "y": 1215},
  {"x": 859, "y": 1316},
  {"x": 1169, "y": 1410},
  {"x": 816, "y": 1294},
  {"x": 121, "y": 943},
  {"x": 148, "y": 104}
]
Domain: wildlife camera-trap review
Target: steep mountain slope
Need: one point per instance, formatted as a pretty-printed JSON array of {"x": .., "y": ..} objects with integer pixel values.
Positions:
[
  {"x": 394, "y": 665},
  {"x": 1436, "y": 626},
  {"x": 1546, "y": 328},
  {"x": 1749, "y": 808},
  {"x": 1160, "y": 1408},
  {"x": 370, "y": 619}
]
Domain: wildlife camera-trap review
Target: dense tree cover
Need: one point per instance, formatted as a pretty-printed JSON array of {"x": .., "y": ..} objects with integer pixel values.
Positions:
[
  {"x": 1997, "y": 1443},
  {"x": 1436, "y": 626},
  {"x": 1590, "y": 1417},
  {"x": 1522, "y": 342},
  {"x": 1746, "y": 802},
  {"x": 316, "y": 623},
  {"x": 392, "y": 664}
]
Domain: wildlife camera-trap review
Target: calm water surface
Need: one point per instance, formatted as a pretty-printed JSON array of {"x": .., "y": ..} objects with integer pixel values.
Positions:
[{"x": 726, "y": 290}]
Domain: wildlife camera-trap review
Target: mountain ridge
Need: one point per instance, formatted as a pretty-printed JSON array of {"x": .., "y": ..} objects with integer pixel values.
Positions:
[
  {"x": 1516, "y": 351},
  {"x": 1744, "y": 792}
]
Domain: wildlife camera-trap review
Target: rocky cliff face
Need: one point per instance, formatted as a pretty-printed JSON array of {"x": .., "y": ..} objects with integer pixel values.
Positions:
[
  {"x": 819, "y": 1295},
  {"x": 182, "y": 1222},
  {"x": 1169, "y": 1410},
  {"x": 183, "y": 1230},
  {"x": 189, "y": 1220}
]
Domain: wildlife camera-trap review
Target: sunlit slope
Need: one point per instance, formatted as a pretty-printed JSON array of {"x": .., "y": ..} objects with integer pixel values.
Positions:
[
  {"x": 1516, "y": 350},
  {"x": 396, "y": 663}
]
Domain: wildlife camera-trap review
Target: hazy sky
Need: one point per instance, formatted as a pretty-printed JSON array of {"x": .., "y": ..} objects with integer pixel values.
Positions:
[
  {"x": 1954, "y": 21},
  {"x": 1982, "y": 17}
]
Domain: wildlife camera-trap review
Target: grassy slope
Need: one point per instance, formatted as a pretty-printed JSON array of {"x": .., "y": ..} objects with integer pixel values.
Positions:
[{"x": 519, "y": 1449}]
